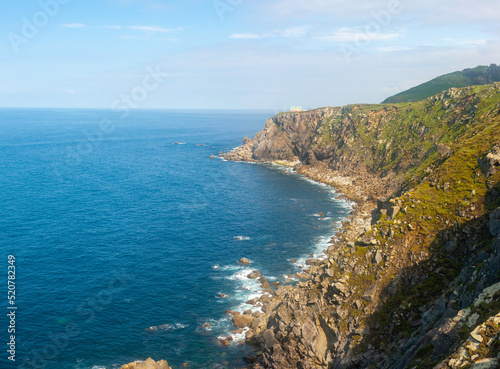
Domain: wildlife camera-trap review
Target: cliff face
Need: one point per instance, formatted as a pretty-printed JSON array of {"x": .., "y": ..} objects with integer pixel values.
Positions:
[
  {"x": 286, "y": 136},
  {"x": 413, "y": 278}
]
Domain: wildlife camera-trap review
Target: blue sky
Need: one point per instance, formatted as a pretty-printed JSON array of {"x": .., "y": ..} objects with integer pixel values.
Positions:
[{"x": 267, "y": 54}]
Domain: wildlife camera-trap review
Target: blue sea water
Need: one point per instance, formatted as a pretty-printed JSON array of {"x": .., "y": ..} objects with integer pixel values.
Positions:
[{"x": 116, "y": 229}]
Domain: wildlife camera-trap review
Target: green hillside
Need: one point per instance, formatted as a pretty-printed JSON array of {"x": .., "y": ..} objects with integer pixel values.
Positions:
[{"x": 481, "y": 75}]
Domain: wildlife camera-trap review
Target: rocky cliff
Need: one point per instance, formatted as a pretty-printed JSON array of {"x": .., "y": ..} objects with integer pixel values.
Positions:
[{"x": 412, "y": 281}]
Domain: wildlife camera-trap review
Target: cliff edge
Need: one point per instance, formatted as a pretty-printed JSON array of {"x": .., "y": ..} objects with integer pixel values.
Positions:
[{"x": 412, "y": 280}]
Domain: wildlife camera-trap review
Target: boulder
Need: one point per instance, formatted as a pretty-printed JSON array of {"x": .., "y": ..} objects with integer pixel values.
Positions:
[
  {"x": 383, "y": 203},
  {"x": 242, "y": 320},
  {"x": 377, "y": 258},
  {"x": 252, "y": 301},
  {"x": 490, "y": 162},
  {"x": 393, "y": 211},
  {"x": 369, "y": 293},
  {"x": 269, "y": 338},
  {"x": 246, "y": 140},
  {"x": 264, "y": 283},
  {"x": 313, "y": 262},
  {"x": 244, "y": 261},
  {"x": 259, "y": 324},
  {"x": 476, "y": 335},
  {"x": 147, "y": 364},
  {"x": 339, "y": 288},
  {"x": 443, "y": 150},
  {"x": 366, "y": 240},
  {"x": 254, "y": 275}
]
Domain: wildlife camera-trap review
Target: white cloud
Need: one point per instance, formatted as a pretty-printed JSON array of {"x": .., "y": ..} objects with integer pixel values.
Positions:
[
  {"x": 149, "y": 29},
  {"x": 294, "y": 32},
  {"x": 149, "y": 37},
  {"x": 117, "y": 28},
  {"x": 341, "y": 35},
  {"x": 354, "y": 34},
  {"x": 391, "y": 49},
  {"x": 153, "y": 29},
  {"x": 73, "y": 25},
  {"x": 246, "y": 36},
  {"x": 478, "y": 42}
]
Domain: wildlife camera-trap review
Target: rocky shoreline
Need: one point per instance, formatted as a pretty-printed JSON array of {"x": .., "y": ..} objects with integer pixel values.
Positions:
[
  {"x": 357, "y": 222},
  {"x": 392, "y": 292},
  {"x": 412, "y": 278},
  {"x": 362, "y": 193}
]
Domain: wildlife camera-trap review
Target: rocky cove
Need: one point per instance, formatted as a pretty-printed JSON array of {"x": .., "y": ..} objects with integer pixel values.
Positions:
[{"x": 412, "y": 279}]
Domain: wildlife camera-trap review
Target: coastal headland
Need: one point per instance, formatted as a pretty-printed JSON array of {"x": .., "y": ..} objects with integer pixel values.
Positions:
[{"x": 412, "y": 279}]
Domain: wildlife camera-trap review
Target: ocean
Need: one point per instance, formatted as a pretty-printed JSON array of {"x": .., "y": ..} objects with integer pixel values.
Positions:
[{"x": 121, "y": 223}]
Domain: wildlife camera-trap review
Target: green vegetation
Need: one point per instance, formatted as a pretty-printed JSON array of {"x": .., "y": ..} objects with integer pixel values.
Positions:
[
  {"x": 481, "y": 75},
  {"x": 433, "y": 147}
]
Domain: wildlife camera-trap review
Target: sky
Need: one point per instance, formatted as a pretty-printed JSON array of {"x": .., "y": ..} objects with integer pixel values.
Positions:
[{"x": 235, "y": 54}]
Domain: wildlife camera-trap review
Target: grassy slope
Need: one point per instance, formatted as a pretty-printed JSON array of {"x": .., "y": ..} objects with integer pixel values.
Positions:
[
  {"x": 402, "y": 138},
  {"x": 469, "y": 77}
]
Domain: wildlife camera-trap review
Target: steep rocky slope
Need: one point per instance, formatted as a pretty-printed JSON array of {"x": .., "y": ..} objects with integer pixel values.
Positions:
[{"x": 412, "y": 281}]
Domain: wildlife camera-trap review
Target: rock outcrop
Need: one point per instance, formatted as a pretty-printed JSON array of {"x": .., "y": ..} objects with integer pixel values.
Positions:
[
  {"x": 147, "y": 364},
  {"x": 411, "y": 279}
]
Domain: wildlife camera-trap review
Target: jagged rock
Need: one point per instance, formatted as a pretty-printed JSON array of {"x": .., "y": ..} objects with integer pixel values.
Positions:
[
  {"x": 383, "y": 203},
  {"x": 366, "y": 240},
  {"x": 393, "y": 211},
  {"x": 242, "y": 320},
  {"x": 246, "y": 140},
  {"x": 252, "y": 301},
  {"x": 476, "y": 335},
  {"x": 264, "y": 283},
  {"x": 490, "y": 162},
  {"x": 369, "y": 293},
  {"x": 254, "y": 275},
  {"x": 339, "y": 288},
  {"x": 443, "y": 150},
  {"x": 431, "y": 315},
  {"x": 269, "y": 338},
  {"x": 488, "y": 294},
  {"x": 377, "y": 258},
  {"x": 259, "y": 324},
  {"x": 244, "y": 261},
  {"x": 147, "y": 364},
  {"x": 315, "y": 338},
  {"x": 494, "y": 224},
  {"x": 313, "y": 262}
]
